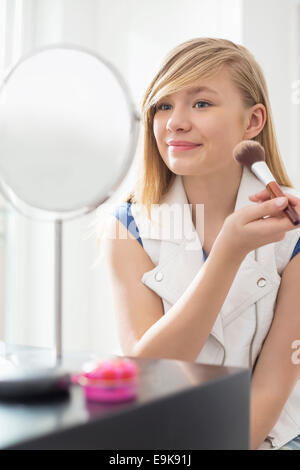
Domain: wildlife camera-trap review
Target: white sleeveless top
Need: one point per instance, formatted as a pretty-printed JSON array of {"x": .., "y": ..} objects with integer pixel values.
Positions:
[{"x": 244, "y": 320}]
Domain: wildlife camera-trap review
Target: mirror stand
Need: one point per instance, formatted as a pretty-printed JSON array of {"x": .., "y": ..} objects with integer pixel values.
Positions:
[{"x": 58, "y": 301}]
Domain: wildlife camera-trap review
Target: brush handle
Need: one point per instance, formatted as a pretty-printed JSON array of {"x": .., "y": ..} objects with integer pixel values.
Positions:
[{"x": 275, "y": 191}]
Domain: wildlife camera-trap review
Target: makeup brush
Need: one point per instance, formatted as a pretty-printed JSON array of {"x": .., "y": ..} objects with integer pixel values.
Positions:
[{"x": 251, "y": 154}]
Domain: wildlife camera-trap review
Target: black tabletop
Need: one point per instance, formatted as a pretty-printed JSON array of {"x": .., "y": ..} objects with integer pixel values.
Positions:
[{"x": 159, "y": 380}]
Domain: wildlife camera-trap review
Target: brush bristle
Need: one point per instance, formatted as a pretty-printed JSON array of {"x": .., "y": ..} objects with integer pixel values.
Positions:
[{"x": 248, "y": 152}]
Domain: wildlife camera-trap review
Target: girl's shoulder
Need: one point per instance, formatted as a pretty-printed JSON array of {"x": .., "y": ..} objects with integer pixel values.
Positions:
[{"x": 123, "y": 213}]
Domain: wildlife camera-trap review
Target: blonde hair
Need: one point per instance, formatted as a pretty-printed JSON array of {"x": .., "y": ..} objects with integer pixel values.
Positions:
[{"x": 189, "y": 61}]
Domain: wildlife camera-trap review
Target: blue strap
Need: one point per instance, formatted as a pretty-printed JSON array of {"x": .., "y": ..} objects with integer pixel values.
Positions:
[
  {"x": 123, "y": 213},
  {"x": 296, "y": 249}
]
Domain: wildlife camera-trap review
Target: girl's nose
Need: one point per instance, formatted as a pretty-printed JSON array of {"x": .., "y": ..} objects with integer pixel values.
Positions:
[{"x": 178, "y": 120}]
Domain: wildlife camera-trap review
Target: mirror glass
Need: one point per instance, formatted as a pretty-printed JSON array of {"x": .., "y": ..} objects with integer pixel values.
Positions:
[{"x": 67, "y": 132}]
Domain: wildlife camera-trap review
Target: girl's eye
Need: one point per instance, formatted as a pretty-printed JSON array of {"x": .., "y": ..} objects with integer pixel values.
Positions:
[
  {"x": 164, "y": 106},
  {"x": 205, "y": 102},
  {"x": 160, "y": 107}
]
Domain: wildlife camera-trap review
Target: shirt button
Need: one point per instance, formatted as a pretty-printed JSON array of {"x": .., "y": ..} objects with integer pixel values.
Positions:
[
  {"x": 159, "y": 276},
  {"x": 261, "y": 282}
]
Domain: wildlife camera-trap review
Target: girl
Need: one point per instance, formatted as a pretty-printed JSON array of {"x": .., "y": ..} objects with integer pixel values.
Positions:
[{"x": 204, "y": 264}]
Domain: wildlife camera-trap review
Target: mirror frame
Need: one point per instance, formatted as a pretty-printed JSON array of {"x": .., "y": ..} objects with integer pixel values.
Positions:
[{"x": 38, "y": 213}]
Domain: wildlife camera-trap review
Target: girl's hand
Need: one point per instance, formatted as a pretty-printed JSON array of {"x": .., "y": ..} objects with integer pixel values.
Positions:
[
  {"x": 264, "y": 195},
  {"x": 256, "y": 225}
]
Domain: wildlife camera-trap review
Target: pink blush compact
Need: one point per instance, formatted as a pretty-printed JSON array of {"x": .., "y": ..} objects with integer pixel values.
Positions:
[{"x": 111, "y": 380}]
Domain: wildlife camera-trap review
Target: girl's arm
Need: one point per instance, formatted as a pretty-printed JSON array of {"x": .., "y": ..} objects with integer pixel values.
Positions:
[
  {"x": 144, "y": 330},
  {"x": 181, "y": 333},
  {"x": 278, "y": 368}
]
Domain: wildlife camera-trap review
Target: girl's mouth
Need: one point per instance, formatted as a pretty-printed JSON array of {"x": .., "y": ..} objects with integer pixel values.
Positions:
[{"x": 183, "y": 148}]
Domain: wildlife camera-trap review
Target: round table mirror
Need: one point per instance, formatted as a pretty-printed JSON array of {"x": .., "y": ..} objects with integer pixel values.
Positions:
[{"x": 68, "y": 132}]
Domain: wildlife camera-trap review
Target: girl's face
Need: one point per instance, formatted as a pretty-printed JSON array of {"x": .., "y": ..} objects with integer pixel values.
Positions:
[{"x": 214, "y": 118}]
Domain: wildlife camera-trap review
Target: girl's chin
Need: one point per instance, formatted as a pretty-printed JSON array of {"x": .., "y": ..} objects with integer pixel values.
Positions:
[{"x": 183, "y": 168}]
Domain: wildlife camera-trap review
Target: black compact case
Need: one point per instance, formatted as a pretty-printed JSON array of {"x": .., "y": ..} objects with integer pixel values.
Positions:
[{"x": 34, "y": 384}]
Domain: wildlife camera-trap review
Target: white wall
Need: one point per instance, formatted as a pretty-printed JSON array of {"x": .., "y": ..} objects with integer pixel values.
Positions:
[
  {"x": 134, "y": 35},
  {"x": 271, "y": 32}
]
